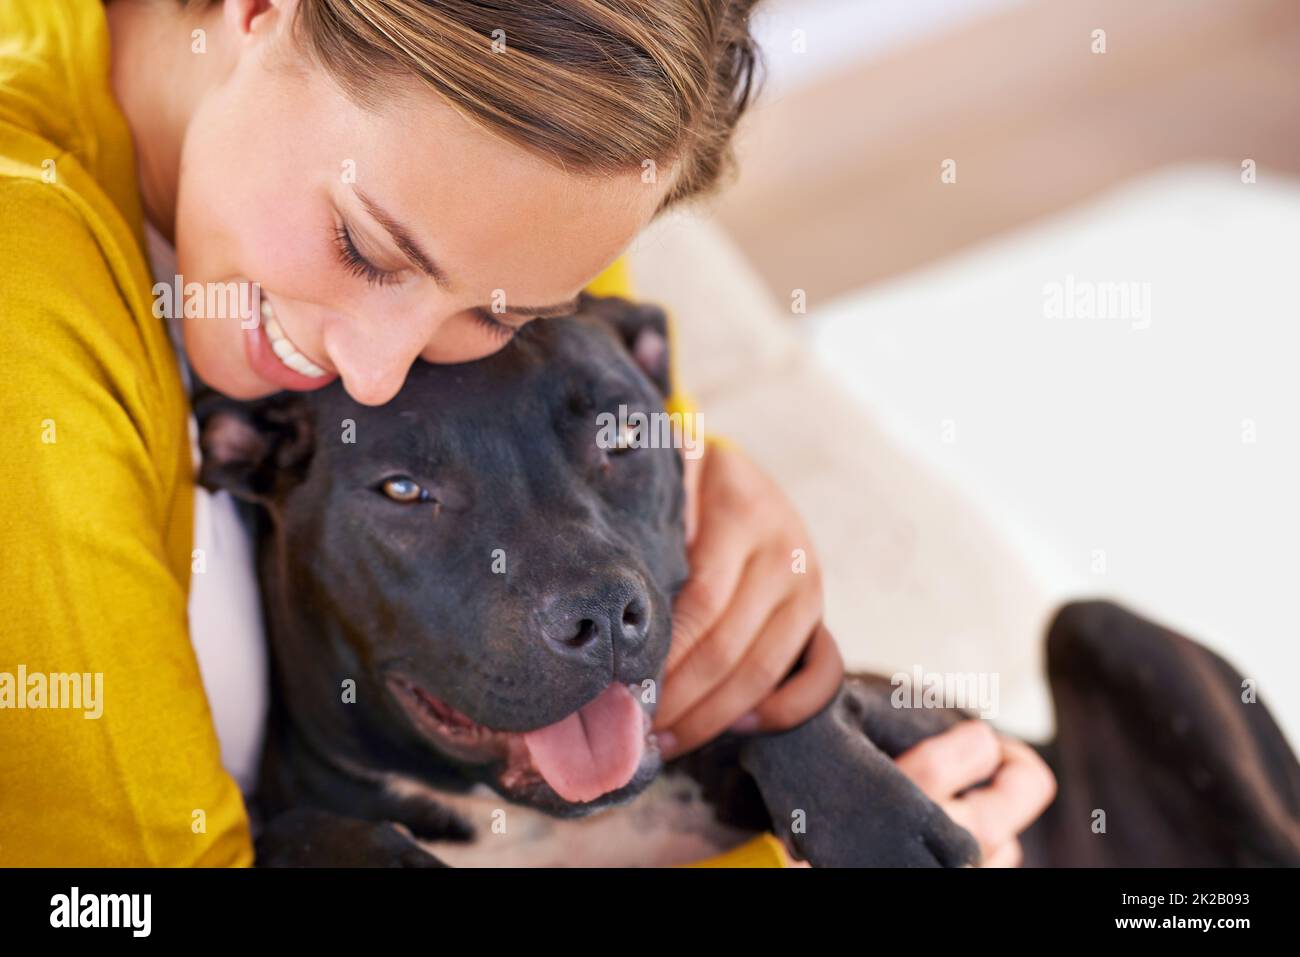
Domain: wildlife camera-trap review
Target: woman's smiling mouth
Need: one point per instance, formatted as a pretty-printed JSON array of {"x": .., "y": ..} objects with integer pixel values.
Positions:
[
  {"x": 275, "y": 358},
  {"x": 284, "y": 349}
]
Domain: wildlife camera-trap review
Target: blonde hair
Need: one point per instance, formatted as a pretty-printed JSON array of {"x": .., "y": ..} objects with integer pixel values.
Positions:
[{"x": 595, "y": 86}]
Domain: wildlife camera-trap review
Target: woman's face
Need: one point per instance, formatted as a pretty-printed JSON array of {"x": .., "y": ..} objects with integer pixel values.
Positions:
[{"x": 377, "y": 238}]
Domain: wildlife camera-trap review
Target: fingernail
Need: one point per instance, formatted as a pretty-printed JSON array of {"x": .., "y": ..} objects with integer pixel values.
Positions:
[
  {"x": 746, "y": 723},
  {"x": 667, "y": 743}
]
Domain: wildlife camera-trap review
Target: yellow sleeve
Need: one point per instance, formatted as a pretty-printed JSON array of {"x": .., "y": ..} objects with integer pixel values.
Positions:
[
  {"x": 95, "y": 496},
  {"x": 762, "y": 851},
  {"x": 616, "y": 280}
]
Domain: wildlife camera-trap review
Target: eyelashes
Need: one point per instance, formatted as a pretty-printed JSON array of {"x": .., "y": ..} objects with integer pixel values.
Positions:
[
  {"x": 357, "y": 264},
  {"x": 494, "y": 325}
]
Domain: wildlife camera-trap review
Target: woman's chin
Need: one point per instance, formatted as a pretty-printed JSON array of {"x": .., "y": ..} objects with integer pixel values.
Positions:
[{"x": 229, "y": 375}]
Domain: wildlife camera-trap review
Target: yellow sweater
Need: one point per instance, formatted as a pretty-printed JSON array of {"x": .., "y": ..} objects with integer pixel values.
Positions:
[
  {"x": 96, "y": 487},
  {"x": 96, "y": 508}
]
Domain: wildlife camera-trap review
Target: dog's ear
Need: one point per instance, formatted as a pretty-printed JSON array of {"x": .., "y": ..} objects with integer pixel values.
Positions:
[
  {"x": 254, "y": 450},
  {"x": 643, "y": 330}
]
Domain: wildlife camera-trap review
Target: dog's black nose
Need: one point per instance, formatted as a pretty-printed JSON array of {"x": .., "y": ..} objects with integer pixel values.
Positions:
[
  {"x": 618, "y": 611},
  {"x": 635, "y": 620}
]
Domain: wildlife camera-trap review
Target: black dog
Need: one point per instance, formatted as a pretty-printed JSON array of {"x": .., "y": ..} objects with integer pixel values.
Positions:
[{"x": 466, "y": 588}]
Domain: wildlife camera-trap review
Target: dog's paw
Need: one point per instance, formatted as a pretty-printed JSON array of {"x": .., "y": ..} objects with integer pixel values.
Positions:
[
  {"x": 839, "y": 801},
  {"x": 873, "y": 816},
  {"x": 886, "y": 822}
]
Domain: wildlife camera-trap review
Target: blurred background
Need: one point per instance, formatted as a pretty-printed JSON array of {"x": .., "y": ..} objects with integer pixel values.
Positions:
[{"x": 874, "y": 310}]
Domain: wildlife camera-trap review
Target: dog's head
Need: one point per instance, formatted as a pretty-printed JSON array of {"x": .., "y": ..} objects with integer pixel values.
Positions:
[{"x": 490, "y": 558}]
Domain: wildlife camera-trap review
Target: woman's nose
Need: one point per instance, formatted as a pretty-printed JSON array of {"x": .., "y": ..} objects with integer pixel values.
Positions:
[{"x": 372, "y": 367}]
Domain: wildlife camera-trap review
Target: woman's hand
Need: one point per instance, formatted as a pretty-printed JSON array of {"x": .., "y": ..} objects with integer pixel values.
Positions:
[
  {"x": 751, "y": 607},
  {"x": 1021, "y": 788}
]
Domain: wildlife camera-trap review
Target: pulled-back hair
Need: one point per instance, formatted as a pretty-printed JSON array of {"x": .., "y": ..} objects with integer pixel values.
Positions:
[{"x": 595, "y": 86}]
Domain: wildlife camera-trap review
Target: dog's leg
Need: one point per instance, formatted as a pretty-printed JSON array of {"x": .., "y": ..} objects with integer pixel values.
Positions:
[
  {"x": 835, "y": 795},
  {"x": 861, "y": 721},
  {"x": 310, "y": 837},
  {"x": 1155, "y": 742},
  {"x": 891, "y": 728}
]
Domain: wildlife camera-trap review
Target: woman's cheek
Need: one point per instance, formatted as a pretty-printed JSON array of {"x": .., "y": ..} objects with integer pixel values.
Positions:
[
  {"x": 215, "y": 350},
  {"x": 286, "y": 250}
]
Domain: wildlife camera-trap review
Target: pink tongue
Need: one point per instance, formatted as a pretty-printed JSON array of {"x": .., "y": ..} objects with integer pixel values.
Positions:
[{"x": 593, "y": 751}]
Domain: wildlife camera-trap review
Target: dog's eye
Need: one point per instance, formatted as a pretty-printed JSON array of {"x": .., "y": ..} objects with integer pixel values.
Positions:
[{"x": 404, "y": 490}]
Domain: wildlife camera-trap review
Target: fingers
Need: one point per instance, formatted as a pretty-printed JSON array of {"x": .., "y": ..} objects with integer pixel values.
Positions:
[
  {"x": 947, "y": 763},
  {"x": 1020, "y": 788},
  {"x": 1009, "y": 854},
  {"x": 806, "y": 692},
  {"x": 1019, "y": 792},
  {"x": 718, "y": 560},
  {"x": 737, "y": 636},
  {"x": 692, "y": 468},
  {"x": 760, "y": 669},
  {"x": 748, "y": 610}
]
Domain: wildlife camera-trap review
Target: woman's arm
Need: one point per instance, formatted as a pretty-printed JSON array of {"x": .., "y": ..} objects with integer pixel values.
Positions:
[{"x": 95, "y": 539}]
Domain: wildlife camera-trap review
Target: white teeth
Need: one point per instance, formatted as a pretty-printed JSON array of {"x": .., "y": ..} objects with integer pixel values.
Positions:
[{"x": 283, "y": 348}]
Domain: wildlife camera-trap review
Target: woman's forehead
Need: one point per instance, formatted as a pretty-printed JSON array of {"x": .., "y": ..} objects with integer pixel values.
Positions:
[{"x": 487, "y": 209}]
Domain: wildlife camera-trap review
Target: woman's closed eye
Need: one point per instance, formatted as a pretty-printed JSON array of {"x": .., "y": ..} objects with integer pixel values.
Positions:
[
  {"x": 355, "y": 262},
  {"x": 489, "y": 321}
]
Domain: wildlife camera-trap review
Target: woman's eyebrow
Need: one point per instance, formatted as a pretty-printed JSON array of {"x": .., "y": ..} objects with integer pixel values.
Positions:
[{"x": 404, "y": 241}]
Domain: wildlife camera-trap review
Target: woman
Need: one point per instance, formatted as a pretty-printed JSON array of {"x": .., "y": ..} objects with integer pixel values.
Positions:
[{"x": 406, "y": 180}]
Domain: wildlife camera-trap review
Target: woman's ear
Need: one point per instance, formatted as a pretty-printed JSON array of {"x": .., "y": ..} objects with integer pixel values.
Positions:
[
  {"x": 643, "y": 330},
  {"x": 246, "y": 16},
  {"x": 257, "y": 450}
]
